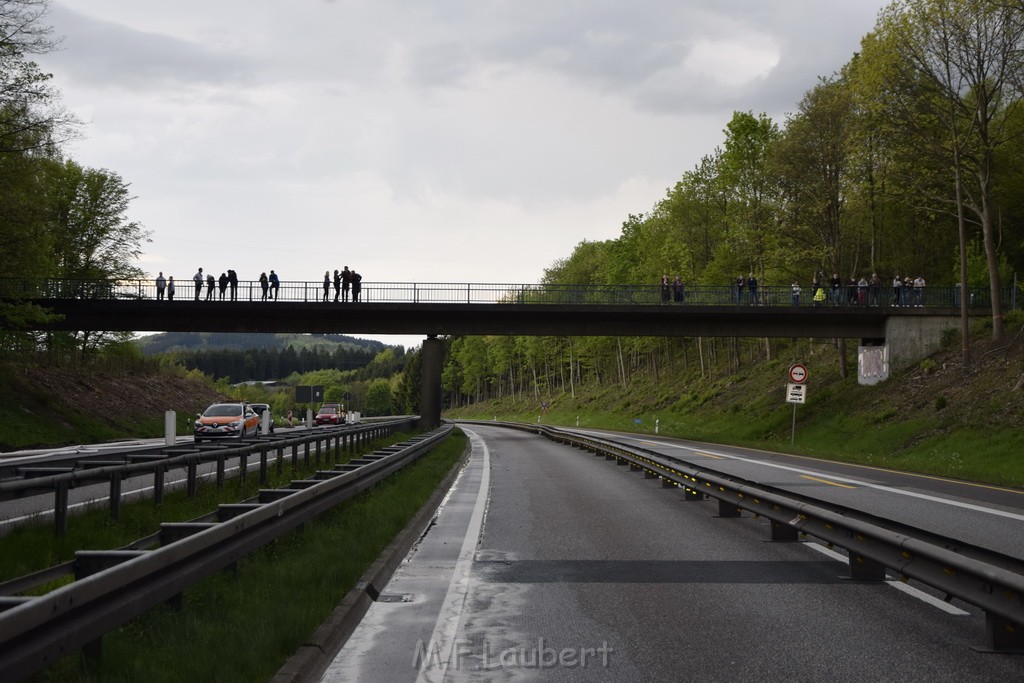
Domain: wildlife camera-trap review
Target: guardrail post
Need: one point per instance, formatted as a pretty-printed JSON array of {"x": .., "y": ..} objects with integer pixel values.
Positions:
[
  {"x": 727, "y": 509},
  {"x": 60, "y": 508},
  {"x": 220, "y": 470},
  {"x": 190, "y": 477},
  {"x": 667, "y": 483},
  {"x": 158, "y": 483},
  {"x": 280, "y": 458},
  {"x": 1003, "y": 634},
  {"x": 243, "y": 465},
  {"x": 784, "y": 532},
  {"x": 263, "y": 464},
  {"x": 295, "y": 456},
  {"x": 865, "y": 569},
  {"x": 305, "y": 453},
  {"x": 316, "y": 456},
  {"x": 692, "y": 494},
  {"x": 115, "y": 496}
]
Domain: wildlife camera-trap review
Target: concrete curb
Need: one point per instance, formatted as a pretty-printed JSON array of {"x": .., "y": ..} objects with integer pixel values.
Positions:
[{"x": 311, "y": 660}]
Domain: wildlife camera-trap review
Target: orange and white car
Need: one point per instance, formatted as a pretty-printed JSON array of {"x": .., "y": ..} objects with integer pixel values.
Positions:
[{"x": 227, "y": 420}]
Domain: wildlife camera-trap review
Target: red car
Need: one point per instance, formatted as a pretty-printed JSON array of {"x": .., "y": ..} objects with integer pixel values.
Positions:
[{"x": 330, "y": 414}]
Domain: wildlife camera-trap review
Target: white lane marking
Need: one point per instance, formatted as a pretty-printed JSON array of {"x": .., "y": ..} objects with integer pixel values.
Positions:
[
  {"x": 443, "y": 639},
  {"x": 898, "y": 585},
  {"x": 847, "y": 480}
]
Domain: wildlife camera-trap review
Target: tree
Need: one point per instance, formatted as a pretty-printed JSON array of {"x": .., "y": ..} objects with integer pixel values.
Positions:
[
  {"x": 957, "y": 62},
  {"x": 745, "y": 173},
  {"x": 30, "y": 116},
  {"x": 379, "y": 400},
  {"x": 91, "y": 234}
]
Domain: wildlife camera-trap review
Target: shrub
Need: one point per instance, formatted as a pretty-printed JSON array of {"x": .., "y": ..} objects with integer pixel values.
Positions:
[
  {"x": 950, "y": 337},
  {"x": 1014, "y": 320},
  {"x": 927, "y": 366}
]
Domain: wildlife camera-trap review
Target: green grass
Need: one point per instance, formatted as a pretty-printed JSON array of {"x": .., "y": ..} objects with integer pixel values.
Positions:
[
  {"x": 262, "y": 613},
  {"x": 941, "y": 422}
]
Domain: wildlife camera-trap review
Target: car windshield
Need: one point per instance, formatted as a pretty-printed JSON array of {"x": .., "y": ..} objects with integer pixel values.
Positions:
[
  {"x": 328, "y": 410},
  {"x": 223, "y": 410}
]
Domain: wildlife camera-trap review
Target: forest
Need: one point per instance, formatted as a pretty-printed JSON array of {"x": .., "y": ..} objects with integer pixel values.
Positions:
[{"x": 906, "y": 161}]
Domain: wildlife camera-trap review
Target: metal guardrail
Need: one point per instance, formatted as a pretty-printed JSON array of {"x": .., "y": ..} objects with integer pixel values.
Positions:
[
  {"x": 502, "y": 293},
  {"x": 991, "y": 581},
  {"x": 112, "y": 587},
  {"x": 89, "y": 470}
]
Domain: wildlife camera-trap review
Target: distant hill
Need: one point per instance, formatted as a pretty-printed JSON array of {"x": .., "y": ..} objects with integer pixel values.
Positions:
[{"x": 208, "y": 341}]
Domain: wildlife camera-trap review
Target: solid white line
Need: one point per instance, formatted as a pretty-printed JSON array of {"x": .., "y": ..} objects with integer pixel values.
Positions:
[
  {"x": 846, "y": 480},
  {"x": 898, "y": 585},
  {"x": 446, "y": 628}
]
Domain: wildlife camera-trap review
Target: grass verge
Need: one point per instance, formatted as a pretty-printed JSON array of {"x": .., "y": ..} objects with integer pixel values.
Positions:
[{"x": 243, "y": 625}]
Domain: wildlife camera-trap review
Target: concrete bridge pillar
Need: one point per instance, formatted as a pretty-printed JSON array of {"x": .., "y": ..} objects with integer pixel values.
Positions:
[
  {"x": 430, "y": 383},
  {"x": 907, "y": 341}
]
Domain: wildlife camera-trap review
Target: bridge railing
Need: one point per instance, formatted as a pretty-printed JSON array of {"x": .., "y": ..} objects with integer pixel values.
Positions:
[{"x": 499, "y": 293}]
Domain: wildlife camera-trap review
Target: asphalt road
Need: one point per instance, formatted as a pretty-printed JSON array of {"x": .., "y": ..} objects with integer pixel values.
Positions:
[
  {"x": 548, "y": 563},
  {"x": 991, "y": 517}
]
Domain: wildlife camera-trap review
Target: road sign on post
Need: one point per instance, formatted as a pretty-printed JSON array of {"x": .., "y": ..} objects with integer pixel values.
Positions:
[
  {"x": 796, "y": 393},
  {"x": 797, "y": 374}
]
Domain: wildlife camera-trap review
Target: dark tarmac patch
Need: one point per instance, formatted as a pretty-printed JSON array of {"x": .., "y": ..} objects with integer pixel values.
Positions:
[{"x": 658, "y": 571}]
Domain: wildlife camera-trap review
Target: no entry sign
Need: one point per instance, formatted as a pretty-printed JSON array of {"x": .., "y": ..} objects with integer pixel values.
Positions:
[{"x": 797, "y": 374}]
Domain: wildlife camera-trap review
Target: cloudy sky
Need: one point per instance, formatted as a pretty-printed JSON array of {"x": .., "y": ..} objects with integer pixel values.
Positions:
[{"x": 430, "y": 140}]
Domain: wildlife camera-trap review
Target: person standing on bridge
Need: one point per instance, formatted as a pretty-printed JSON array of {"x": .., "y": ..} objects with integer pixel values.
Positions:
[
  {"x": 327, "y": 284},
  {"x": 222, "y": 281},
  {"x": 740, "y": 283},
  {"x": 678, "y": 292},
  {"x": 664, "y": 289},
  {"x": 233, "y": 283},
  {"x": 198, "y": 278},
  {"x": 919, "y": 291},
  {"x": 170, "y": 289},
  {"x": 897, "y": 285},
  {"x": 263, "y": 285},
  {"x": 210, "y": 284},
  {"x": 795, "y": 293},
  {"x": 346, "y": 282},
  {"x": 337, "y": 285},
  {"x": 357, "y": 286},
  {"x": 752, "y": 286},
  {"x": 161, "y": 285},
  {"x": 874, "y": 290},
  {"x": 275, "y": 284},
  {"x": 837, "y": 288}
]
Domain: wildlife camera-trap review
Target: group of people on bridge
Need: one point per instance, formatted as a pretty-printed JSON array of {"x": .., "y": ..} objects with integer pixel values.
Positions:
[
  {"x": 226, "y": 286},
  {"x": 864, "y": 291},
  {"x": 343, "y": 281}
]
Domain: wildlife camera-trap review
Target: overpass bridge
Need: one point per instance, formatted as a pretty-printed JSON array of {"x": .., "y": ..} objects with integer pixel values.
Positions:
[{"x": 894, "y": 331}]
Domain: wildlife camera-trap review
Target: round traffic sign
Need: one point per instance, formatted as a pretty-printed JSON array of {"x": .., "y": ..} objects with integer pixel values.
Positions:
[{"x": 797, "y": 374}]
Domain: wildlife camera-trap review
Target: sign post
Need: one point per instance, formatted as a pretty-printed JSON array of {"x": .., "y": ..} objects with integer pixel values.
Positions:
[{"x": 796, "y": 392}]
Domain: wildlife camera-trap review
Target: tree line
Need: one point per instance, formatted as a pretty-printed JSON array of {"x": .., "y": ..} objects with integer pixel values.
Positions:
[
  {"x": 269, "y": 364},
  {"x": 908, "y": 161}
]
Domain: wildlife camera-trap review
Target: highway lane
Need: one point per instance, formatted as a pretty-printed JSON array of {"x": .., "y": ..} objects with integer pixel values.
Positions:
[
  {"x": 988, "y": 516},
  {"x": 549, "y": 563}
]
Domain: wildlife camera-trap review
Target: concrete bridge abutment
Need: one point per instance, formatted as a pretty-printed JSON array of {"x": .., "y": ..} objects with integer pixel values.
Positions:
[{"x": 907, "y": 341}]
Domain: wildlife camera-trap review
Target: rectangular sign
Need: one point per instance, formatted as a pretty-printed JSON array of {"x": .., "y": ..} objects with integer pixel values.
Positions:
[
  {"x": 872, "y": 364},
  {"x": 796, "y": 393}
]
